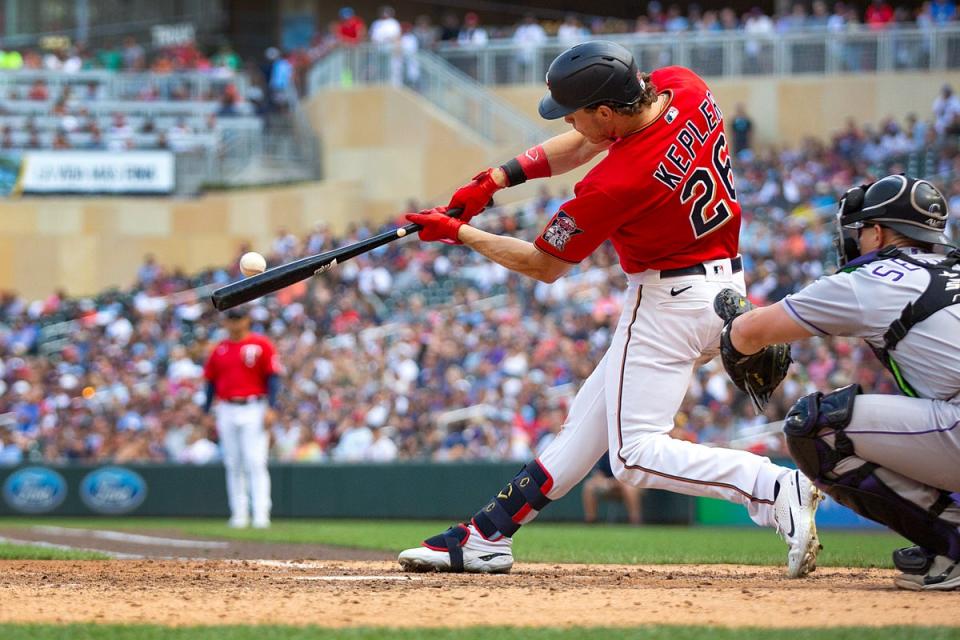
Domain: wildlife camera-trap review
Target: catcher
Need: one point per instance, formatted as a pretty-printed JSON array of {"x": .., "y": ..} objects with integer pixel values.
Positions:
[{"x": 895, "y": 460}]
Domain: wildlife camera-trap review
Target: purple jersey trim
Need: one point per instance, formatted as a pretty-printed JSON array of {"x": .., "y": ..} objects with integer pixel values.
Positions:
[{"x": 797, "y": 316}]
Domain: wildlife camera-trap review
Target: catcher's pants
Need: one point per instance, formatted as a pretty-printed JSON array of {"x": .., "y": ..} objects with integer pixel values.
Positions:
[
  {"x": 244, "y": 443},
  {"x": 914, "y": 437},
  {"x": 628, "y": 403}
]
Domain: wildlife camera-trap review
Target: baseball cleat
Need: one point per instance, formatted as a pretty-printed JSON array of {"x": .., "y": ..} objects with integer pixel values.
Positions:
[
  {"x": 940, "y": 574},
  {"x": 459, "y": 549},
  {"x": 795, "y": 512}
]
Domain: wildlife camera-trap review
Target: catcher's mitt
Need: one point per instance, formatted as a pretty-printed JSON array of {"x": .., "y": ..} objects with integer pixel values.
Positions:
[{"x": 758, "y": 374}]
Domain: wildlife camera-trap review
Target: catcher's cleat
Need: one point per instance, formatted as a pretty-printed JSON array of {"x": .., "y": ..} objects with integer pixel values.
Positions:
[
  {"x": 940, "y": 574},
  {"x": 459, "y": 549},
  {"x": 795, "y": 512}
]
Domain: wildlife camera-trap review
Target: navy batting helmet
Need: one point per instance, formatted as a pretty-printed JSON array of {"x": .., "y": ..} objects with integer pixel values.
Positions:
[
  {"x": 914, "y": 208},
  {"x": 587, "y": 74}
]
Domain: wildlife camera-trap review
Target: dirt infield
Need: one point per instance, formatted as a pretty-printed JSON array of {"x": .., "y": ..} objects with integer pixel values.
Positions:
[{"x": 377, "y": 593}]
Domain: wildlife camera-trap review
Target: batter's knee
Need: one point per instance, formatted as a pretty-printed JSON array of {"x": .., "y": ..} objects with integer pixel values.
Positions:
[
  {"x": 618, "y": 468},
  {"x": 814, "y": 430}
]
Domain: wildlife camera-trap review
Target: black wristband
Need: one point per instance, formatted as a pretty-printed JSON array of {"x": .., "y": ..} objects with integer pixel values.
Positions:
[{"x": 514, "y": 172}]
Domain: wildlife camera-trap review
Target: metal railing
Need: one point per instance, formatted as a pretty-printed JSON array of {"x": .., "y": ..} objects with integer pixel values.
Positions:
[
  {"x": 110, "y": 85},
  {"x": 731, "y": 53},
  {"x": 453, "y": 92}
]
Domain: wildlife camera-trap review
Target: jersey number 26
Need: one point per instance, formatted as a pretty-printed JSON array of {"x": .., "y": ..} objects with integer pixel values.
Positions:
[{"x": 710, "y": 209}]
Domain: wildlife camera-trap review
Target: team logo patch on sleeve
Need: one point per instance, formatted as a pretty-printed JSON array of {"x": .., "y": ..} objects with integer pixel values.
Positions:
[{"x": 561, "y": 229}]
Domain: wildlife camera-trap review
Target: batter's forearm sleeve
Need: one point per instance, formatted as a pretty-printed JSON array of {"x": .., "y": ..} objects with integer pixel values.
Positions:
[
  {"x": 273, "y": 389},
  {"x": 208, "y": 401},
  {"x": 530, "y": 164}
]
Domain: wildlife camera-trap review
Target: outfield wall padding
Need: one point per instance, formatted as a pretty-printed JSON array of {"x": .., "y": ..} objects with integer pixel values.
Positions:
[{"x": 404, "y": 490}]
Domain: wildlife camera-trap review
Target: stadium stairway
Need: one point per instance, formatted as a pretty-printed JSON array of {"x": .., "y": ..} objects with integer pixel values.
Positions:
[{"x": 410, "y": 127}]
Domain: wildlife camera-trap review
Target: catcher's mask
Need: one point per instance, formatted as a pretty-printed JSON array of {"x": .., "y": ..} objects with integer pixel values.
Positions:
[{"x": 911, "y": 207}]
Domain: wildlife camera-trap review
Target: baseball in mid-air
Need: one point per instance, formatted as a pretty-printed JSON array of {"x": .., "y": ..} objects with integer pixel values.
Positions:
[{"x": 252, "y": 263}]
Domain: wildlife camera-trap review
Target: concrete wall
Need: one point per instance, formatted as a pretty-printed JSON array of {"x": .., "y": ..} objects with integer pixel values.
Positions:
[
  {"x": 85, "y": 245},
  {"x": 399, "y": 146},
  {"x": 395, "y": 145},
  {"x": 786, "y": 110}
]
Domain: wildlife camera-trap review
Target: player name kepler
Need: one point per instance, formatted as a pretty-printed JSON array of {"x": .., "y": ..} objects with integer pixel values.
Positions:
[{"x": 691, "y": 136}]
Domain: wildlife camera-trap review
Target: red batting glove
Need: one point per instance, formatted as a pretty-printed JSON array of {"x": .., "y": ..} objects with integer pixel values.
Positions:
[
  {"x": 474, "y": 196},
  {"x": 437, "y": 225}
]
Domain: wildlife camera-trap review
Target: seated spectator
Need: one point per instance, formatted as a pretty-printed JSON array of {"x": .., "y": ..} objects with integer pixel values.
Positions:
[
  {"x": 602, "y": 485},
  {"x": 229, "y": 101},
  {"x": 6, "y": 138},
  {"x": 38, "y": 91},
  {"x": 120, "y": 134},
  {"x": 60, "y": 140},
  {"x": 946, "y": 112}
]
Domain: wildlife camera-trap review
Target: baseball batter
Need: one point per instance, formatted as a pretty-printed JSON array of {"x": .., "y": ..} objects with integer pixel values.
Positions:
[
  {"x": 666, "y": 197},
  {"x": 242, "y": 375},
  {"x": 893, "y": 459}
]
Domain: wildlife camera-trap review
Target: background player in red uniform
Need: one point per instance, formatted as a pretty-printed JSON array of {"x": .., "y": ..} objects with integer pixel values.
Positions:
[
  {"x": 242, "y": 375},
  {"x": 665, "y": 196}
]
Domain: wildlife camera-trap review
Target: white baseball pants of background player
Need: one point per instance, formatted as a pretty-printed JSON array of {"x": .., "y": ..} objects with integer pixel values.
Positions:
[
  {"x": 244, "y": 443},
  {"x": 628, "y": 404}
]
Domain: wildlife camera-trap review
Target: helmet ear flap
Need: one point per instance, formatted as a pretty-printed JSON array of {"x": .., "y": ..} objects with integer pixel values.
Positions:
[{"x": 852, "y": 200}]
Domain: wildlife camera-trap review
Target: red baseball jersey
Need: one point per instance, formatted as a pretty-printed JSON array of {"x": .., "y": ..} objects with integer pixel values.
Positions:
[
  {"x": 664, "y": 195},
  {"x": 240, "y": 369}
]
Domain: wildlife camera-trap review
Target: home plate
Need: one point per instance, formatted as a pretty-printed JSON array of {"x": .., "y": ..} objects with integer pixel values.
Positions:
[{"x": 354, "y": 578}]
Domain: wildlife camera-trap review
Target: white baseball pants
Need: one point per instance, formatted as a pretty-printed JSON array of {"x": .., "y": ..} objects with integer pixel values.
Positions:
[
  {"x": 628, "y": 404},
  {"x": 244, "y": 443}
]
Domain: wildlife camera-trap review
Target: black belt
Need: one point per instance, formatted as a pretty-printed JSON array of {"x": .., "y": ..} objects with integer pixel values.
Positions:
[
  {"x": 699, "y": 269},
  {"x": 245, "y": 400}
]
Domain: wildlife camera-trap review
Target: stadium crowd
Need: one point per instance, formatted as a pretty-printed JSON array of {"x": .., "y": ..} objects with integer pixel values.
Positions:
[
  {"x": 50, "y": 112},
  {"x": 470, "y": 30},
  {"x": 423, "y": 350}
]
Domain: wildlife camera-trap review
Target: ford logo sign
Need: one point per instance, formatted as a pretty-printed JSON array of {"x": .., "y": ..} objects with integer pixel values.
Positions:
[
  {"x": 34, "y": 490},
  {"x": 113, "y": 490}
]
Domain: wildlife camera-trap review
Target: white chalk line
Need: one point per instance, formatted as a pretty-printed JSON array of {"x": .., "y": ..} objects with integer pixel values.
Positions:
[
  {"x": 67, "y": 547},
  {"x": 286, "y": 564},
  {"x": 132, "y": 538}
]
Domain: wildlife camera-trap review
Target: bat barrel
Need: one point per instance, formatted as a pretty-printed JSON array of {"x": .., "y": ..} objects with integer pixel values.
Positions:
[{"x": 241, "y": 291}]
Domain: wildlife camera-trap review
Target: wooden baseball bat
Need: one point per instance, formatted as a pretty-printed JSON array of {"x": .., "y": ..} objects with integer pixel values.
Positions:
[{"x": 247, "y": 289}]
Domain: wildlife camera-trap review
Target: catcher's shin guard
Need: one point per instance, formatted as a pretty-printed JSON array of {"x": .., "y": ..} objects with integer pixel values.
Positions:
[
  {"x": 814, "y": 430},
  {"x": 525, "y": 493}
]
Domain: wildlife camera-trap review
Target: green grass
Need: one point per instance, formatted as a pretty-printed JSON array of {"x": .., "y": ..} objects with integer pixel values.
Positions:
[
  {"x": 540, "y": 542},
  {"x": 149, "y": 632},
  {"x": 31, "y": 552}
]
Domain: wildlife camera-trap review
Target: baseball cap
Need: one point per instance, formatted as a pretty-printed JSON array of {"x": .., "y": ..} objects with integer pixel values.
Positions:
[{"x": 236, "y": 313}]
